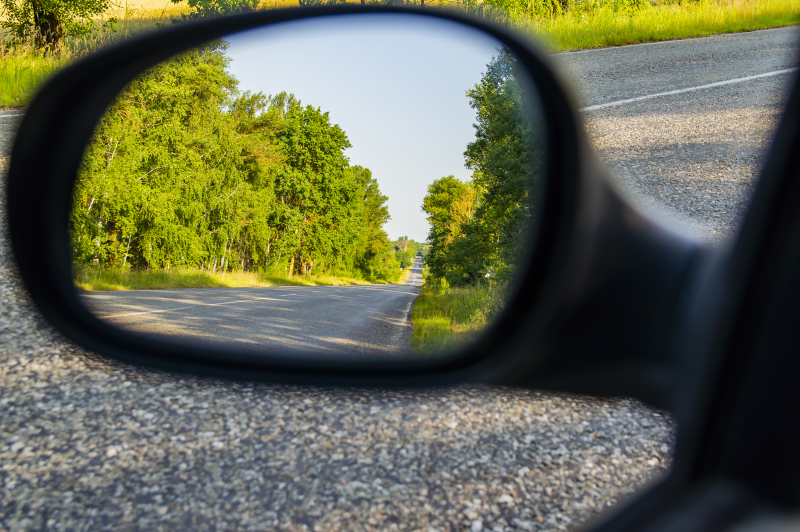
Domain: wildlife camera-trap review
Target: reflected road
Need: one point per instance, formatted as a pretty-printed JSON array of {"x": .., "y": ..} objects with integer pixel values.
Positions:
[{"x": 347, "y": 321}]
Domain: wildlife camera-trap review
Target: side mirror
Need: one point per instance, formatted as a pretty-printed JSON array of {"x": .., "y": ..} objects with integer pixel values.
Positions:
[{"x": 195, "y": 148}]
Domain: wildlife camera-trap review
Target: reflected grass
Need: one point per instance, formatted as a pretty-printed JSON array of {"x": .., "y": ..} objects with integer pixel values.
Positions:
[
  {"x": 446, "y": 318},
  {"x": 98, "y": 280}
]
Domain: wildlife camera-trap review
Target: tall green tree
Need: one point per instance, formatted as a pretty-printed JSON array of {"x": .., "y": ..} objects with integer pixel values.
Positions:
[
  {"x": 374, "y": 251},
  {"x": 505, "y": 161},
  {"x": 478, "y": 228},
  {"x": 49, "y": 21},
  {"x": 450, "y": 205},
  {"x": 185, "y": 170}
]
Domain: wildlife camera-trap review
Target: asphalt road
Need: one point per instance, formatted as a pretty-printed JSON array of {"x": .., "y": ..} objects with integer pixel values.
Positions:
[
  {"x": 694, "y": 156},
  {"x": 90, "y": 444},
  {"x": 341, "y": 321}
]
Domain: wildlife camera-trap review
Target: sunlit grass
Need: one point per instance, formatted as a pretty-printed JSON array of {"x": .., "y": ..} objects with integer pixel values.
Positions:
[
  {"x": 23, "y": 72},
  {"x": 127, "y": 11},
  {"x": 403, "y": 276},
  {"x": 602, "y": 26},
  {"x": 97, "y": 280},
  {"x": 446, "y": 318},
  {"x": 24, "y": 68}
]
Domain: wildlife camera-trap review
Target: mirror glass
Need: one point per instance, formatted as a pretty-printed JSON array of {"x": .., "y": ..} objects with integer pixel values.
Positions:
[{"x": 345, "y": 186}]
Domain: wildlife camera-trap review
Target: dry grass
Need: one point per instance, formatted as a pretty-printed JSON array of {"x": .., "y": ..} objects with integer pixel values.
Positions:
[
  {"x": 147, "y": 9},
  {"x": 595, "y": 24},
  {"x": 97, "y": 280}
]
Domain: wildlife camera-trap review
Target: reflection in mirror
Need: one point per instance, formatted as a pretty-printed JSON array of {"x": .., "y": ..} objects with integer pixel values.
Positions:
[{"x": 346, "y": 186}]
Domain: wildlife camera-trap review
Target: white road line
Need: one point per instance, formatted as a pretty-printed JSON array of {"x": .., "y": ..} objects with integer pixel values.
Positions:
[
  {"x": 274, "y": 298},
  {"x": 689, "y": 89},
  {"x": 192, "y": 306}
]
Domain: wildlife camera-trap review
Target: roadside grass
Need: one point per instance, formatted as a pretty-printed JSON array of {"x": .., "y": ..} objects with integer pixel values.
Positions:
[
  {"x": 403, "y": 276},
  {"x": 583, "y": 24},
  {"x": 446, "y": 318},
  {"x": 22, "y": 72},
  {"x": 97, "y": 280},
  {"x": 147, "y": 9},
  {"x": 594, "y": 24},
  {"x": 24, "y": 68}
]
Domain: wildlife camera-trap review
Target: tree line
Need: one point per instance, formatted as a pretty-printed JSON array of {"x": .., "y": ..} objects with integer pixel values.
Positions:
[
  {"x": 186, "y": 170},
  {"x": 406, "y": 249},
  {"x": 478, "y": 227}
]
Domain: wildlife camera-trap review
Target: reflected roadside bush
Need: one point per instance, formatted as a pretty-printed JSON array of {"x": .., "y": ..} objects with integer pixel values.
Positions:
[{"x": 445, "y": 317}]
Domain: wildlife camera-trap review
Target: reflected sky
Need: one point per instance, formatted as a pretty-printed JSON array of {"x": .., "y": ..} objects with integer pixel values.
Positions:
[{"x": 395, "y": 84}]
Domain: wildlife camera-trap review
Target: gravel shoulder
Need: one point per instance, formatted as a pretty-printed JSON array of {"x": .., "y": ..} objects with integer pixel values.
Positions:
[{"x": 696, "y": 169}]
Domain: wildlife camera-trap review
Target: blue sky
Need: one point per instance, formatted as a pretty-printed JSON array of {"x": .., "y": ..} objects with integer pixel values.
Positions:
[{"x": 395, "y": 84}]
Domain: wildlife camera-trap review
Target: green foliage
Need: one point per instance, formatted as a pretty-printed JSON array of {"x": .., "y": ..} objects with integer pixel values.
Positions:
[
  {"x": 47, "y": 22},
  {"x": 478, "y": 228},
  {"x": 187, "y": 171},
  {"x": 215, "y": 8},
  {"x": 436, "y": 285},
  {"x": 21, "y": 75},
  {"x": 403, "y": 258},
  {"x": 450, "y": 205},
  {"x": 505, "y": 160},
  {"x": 405, "y": 251},
  {"x": 534, "y": 8},
  {"x": 448, "y": 317},
  {"x": 549, "y": 9},
  {"x": 581, "y": 25}
]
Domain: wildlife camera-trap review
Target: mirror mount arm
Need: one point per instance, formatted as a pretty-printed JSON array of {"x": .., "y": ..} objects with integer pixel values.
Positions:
[{"x": 610, "y": 322}]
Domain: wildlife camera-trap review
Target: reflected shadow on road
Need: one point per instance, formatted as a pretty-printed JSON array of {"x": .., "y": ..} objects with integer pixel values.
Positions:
[{"x": 330, "y": 321}]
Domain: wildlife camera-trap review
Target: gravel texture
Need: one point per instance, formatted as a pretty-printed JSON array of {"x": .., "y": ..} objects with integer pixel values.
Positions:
[
  {"x": 91, "y": 444},
  {"x": 717, "y": 153}
]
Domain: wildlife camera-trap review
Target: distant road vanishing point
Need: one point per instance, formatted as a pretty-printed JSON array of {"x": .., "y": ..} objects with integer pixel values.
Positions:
[{"x": 343, "y": 321}]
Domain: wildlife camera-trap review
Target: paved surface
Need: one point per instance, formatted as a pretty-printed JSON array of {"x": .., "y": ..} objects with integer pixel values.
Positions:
[
  {"x": 88, "y": 444},
  {"x": 351, "y": 321},
  {"x": 695, "y": 156}
]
